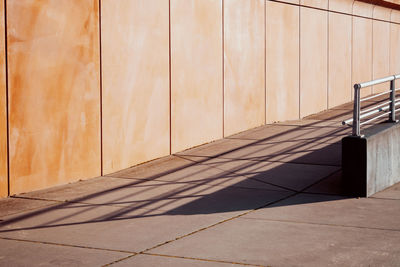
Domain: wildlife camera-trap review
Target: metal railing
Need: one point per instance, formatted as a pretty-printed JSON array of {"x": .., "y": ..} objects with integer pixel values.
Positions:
[{"x": 380, "y": 110}]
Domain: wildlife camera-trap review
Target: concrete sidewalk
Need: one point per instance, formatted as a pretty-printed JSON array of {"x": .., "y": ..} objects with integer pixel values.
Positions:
[{"x": 270, "y": 196}]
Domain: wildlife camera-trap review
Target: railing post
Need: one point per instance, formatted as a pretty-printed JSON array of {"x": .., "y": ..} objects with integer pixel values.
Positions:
[
  {"x": 356, "y": 110},
  {"x": 392, "y": 114}
]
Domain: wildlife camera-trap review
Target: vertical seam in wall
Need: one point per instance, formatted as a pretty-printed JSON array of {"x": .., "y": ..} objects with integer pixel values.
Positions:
[
  {"x": 390, "y": 47},
  {"x": 373, "y": 23},
  {"x": 327, "y": 60},
  {"x": 7, "y": 100},
  {"x": 352, "y": 48},
  {"x": 223, "y": 68},
  {"x": 265, "y": 62},
  {"x": 372, "y": 52},
  {"x": 170, "y": 75},
  {"x": 299, "y": 62},
  {"x": 101, "y": 94}
]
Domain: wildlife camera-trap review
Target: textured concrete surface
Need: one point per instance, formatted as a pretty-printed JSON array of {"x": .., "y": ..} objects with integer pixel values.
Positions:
[
  {"x": 282, "y": 52},
  {"x": 196, "y": 88},
  {"x": 53, "y": 92},
  {"x": 271, "y": 196},
  {"x": 135, "y": 72},
  {"x": 244, "y": 57}
]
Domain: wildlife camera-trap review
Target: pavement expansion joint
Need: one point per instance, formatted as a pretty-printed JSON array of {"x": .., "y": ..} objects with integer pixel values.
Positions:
[
  {"x": 119, "y": 260},
  {"x": 75, "y": 202},
  {"x": 255, "y": 179},
  {"x": 215, "y": 224},
  {"x": 200, "y": 259},
  {"x": 66, "y": 245},
  {"x": 324, "y": 224}
]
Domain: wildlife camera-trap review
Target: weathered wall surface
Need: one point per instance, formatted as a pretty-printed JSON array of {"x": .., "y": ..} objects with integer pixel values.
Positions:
[
  {"x": 90, "y": 94},
  {"x": 362, "y": 52},
  {"x": 339, "y": 59},
  {"x": 54, "y": 92},
  {"x": 283, "y": 59},
  {"x": 135, "y": 82},
  {"x": 244, "y": 65},
  {"x": 313, "y": 60},
  {"x": 196, "y": 72},
  {"x": 381, "y": 46},
  {"x": 3, "y": 109}
]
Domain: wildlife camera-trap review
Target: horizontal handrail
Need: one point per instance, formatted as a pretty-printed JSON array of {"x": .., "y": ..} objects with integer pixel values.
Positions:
[
  {"x": 375, "y": 107},
  {"x": 374, "y": 96},
  {"x": 388, "y": 107},
  {"x": 375, "y": 118},
  {"x": 375, "y": 82}
]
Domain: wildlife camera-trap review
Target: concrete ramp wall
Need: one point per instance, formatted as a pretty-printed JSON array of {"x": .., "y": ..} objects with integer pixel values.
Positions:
[{"x": 371, "y": 163}]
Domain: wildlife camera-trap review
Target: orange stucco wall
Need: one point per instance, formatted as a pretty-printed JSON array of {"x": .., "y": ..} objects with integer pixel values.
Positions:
[
  {"x": 95, "y": 86},
  {"x": 196, "y": 72},
  {"x": 54, "y": 92},
  {"x": 283, "y": 59},
  {"x": 135, "y": 76},
  {"x": 244, "y": 64}
]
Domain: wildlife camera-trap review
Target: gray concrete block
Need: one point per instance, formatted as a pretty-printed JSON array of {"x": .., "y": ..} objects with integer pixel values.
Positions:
[{"x": 371, "y": 163}]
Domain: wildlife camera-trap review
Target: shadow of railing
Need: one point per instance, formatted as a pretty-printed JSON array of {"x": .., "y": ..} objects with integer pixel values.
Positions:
[{"x": 282, "y": 168}]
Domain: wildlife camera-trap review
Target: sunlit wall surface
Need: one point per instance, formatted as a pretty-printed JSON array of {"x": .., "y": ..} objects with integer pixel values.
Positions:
[{"x": 89, "y": 87}]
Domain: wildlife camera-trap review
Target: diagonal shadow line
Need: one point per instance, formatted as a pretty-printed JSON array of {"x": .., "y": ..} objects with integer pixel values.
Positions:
[
  {"x": 285, "y": 151},
  {"x": 153, "y": 177},
  {"x": 114, "y": 216},
  {"x": 165, "y": 196},
  {"x": 185, "y": 189}
]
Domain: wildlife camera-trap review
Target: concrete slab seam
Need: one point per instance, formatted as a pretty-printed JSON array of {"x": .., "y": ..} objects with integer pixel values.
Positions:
[
  {"x": 325, "y": 224},
  {"x": 199, "y": 259},
  {"x": 66, "y": 245},
  {"x": 85, "y": 203},
  {"x": 218, "y": 223}
]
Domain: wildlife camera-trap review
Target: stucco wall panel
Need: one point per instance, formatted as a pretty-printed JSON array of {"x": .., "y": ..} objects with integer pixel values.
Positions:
[
  {"x": 395, "y": 16},
  {"x": 135, "y": 82},
  {"x": 196, "y": 72},
  {"x": 290, "y": 1},
  {"x": 381, "y": 52},
  {"x": 315, "y": 3},
  {"x": 395, "y": 50},
  {"x": 363, "y": 9},
  {"x": 282, "y": 72},
  {"x": 3, "y": 110},
  {"x": 54, "y": 92},
  {"x": 345, "y": 6},
  {"x": 244, "y": 65},
  {"x": 362, "y": 52},
  {"x": 382, "y": 13},
  {"x": 339, "y": 77},
  {"x": 313, "y": 61}
]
